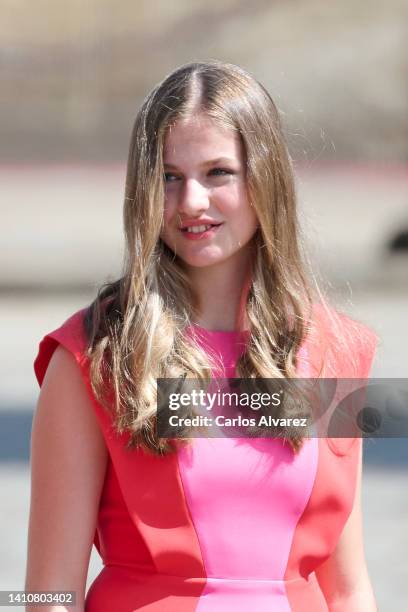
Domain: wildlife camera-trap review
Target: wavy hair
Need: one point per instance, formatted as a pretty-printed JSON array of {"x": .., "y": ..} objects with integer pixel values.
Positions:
[{"x": 136, "y": 325}]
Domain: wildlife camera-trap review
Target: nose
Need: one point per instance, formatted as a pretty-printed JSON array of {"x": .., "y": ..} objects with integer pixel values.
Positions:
[{"x": 193, "y": 198}]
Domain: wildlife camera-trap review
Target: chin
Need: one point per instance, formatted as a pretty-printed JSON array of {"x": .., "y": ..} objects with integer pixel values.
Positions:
[
  {"x": 199, "y": 263},
  {"x": 203, "y": 262}
]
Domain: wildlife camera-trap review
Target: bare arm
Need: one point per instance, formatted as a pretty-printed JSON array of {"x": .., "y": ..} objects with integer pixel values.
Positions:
[
  {"x": 68, "y": 464},
  {"x": 343, "y": 577}
]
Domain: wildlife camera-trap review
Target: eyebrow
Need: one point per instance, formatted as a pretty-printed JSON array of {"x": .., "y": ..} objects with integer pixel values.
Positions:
[{"x": 210, "y": 162}]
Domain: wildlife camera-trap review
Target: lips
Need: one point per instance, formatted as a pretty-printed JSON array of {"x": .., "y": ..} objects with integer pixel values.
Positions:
[
  {"x": 201, "y": 234},
  {"x": 204, "y": 225},
  {"x": 197, "y": 221}
]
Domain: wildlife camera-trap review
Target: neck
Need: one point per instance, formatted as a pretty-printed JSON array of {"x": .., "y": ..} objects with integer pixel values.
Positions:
[{"x": 221, "y": 292}]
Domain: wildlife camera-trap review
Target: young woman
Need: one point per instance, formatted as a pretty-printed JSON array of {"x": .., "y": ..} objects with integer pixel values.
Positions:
[{"x": 213, "y": 284}]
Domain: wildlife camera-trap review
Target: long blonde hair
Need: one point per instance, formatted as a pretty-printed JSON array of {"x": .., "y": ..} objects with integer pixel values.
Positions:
[{"x": 136, "y": 325}]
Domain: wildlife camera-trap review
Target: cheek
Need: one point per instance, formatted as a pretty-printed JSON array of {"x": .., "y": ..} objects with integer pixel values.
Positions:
[
  {"x": 248, "y": 223},
  {"x": 244, "y": 215}
]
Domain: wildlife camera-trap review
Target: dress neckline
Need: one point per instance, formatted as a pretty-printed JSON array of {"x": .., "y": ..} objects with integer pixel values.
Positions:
[{"x": 218, "y": 332}]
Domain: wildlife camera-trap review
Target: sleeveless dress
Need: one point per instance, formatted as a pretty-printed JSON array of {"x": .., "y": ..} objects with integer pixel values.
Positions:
[{"x": 224, "y": 524}]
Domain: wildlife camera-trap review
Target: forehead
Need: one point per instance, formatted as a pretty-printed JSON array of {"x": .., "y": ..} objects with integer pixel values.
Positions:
[{"x": 201, "y": 135}]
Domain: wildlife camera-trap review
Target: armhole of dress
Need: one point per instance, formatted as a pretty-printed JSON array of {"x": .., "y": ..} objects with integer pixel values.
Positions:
[
  {"x": 75, "y": 345},
  {"x": 46, "y": 350},
  {"x": 47, "y": 347},
  {"x": 366, "y": 347}
]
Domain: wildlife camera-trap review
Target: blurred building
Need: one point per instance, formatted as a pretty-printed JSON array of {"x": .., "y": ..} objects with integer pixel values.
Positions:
[{"x": 73, "y": 75}]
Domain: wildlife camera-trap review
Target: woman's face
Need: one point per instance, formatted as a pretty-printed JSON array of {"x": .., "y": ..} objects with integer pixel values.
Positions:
[{"x": 205, "y": 184}]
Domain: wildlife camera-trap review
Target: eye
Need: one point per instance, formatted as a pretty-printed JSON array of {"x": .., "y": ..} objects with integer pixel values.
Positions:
[
  {"x": 169, "y": 177},
  {"x": 220, "y": 172}
]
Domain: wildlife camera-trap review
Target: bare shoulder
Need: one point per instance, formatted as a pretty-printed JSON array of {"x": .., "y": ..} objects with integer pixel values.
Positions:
[
  {"x": 68, "y": 464},
  {"x": 64, "y": 407}
]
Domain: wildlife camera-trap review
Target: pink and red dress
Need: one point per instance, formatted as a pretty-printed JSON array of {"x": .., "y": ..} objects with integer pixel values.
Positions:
[{"x": 224, "y": 524}]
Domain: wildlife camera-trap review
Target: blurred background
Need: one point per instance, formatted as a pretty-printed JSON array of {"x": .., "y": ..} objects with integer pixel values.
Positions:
[{"x": 72, "y": 78}]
